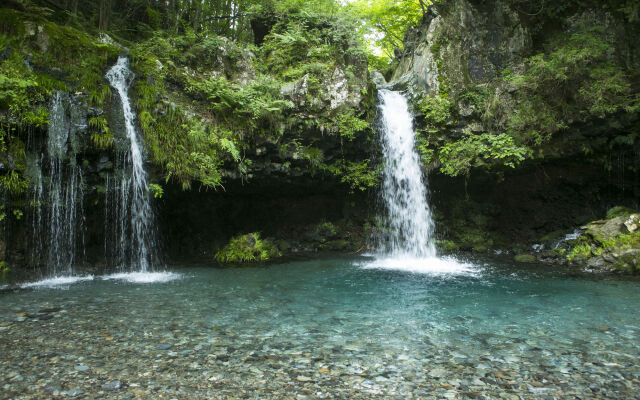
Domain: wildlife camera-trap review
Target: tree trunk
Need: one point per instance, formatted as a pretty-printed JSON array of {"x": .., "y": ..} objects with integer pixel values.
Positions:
[{"x": 104, "y": 14}]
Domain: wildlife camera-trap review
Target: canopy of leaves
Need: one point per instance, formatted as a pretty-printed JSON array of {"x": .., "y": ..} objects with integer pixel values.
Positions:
[{"x": 387, "y": 20}]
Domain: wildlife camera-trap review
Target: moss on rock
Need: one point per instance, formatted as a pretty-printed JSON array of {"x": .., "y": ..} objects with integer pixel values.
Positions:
[
  {"x": 524, "y": 258},
  {"x": 609, "y": 244}
]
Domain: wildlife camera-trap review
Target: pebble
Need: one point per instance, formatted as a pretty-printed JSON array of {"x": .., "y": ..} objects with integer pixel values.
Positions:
[
  {"x": 437, "y": 373},
  {"x": 111, "y": 386},
  {"x": 164, "y": 346},
  {"x": 81, "y": 368},
  {"x": 74, "y": 392}
]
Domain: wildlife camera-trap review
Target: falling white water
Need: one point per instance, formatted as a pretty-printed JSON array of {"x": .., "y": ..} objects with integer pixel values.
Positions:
[
  {"x": 134, "y": 208},
  {"x": 407, "y": 242},
  {"x": 404, "y": 191},
  {"x": 57, "y": 208}
]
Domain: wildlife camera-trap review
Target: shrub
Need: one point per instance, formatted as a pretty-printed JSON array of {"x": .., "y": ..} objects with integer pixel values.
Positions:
[{"x": 248, "y": 248}]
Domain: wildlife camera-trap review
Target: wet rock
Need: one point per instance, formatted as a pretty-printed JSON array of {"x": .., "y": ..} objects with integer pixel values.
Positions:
[
  {"x": 112, "y": 386},
  {"x": 104, "y": 164},
  {"x": 52, "y": 389},
  {"x": 633, "y": 222},
  {"x": 164, "y": 346},
  {"x": 378, "y": 79},
  {"x": 606, "y": 229},
  {"x": 74, "y": 393},
  {"x": 524, "y": 258},
  {"x": 437, "y": 373},
  {"x": 81, "y": 368}
]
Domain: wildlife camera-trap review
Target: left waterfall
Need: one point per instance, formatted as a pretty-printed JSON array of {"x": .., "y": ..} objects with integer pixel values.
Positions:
[
  {"x": 133, "y": 223},
  {"x": 57, "y": 197}
]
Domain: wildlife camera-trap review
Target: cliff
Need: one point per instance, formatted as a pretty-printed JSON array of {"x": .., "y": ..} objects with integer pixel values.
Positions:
[{"x": 531, "y": 108}]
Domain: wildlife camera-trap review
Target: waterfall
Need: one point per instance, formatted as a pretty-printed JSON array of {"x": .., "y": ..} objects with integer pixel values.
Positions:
[
  {"x": 404, "y": 192},
  {"x": 406, "y": 242},
  {"x": 57, "y": 200},
  {"x": 133, "y": 212},
  {"x": 57, "y": 195}
]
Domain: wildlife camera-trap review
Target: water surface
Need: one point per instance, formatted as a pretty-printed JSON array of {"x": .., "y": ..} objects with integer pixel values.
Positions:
[{"x": 326, "y": 329}]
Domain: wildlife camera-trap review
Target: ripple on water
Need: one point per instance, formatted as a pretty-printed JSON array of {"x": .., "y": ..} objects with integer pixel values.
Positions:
[
  {"x": 144, "y": 277},
  {"x": 429, "y": 265},
  {"x": 57, "y": 282}
]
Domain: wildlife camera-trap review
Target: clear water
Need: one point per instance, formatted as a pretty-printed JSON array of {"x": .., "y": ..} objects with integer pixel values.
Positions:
[
  {"x": 134, "y": 215},
  {"x": 327, "y": 329},
  {"x": 408, "y": 220}
]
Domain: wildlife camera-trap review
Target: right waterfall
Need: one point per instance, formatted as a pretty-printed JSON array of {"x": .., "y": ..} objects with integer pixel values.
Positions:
[
  {"x": 134, "y": 213},
  {"x": 409, "y": 224},
  {"x": 406, "y": 240}
]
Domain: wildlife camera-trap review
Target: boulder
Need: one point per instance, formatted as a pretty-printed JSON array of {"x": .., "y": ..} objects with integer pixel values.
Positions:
[
  {"x": 606, "y": 229},
  {"x": 632, "y": 223},
  {"x": 627, "y": 259}
]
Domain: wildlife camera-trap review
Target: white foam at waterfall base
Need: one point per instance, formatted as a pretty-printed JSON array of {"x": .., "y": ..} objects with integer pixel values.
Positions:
[
  {"x": 423, "y": 265},
  {"x": 57, "y": 282},
  {"x": 144, "y": 277}
]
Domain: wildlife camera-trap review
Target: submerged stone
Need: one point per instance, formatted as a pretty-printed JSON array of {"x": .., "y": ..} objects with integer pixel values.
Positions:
[
  {"x": 112, "y": 386},
  {"x": 524, "y": 258},
  {"x": 74, "y": 392}
]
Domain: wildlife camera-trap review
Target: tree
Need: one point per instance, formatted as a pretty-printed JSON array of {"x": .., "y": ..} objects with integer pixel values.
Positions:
[{"x": 387, "y": 20}]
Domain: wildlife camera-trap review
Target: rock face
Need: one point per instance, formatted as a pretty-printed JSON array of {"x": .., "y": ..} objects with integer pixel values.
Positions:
[
  {"x": 338, "y": 90},
  {"x": 461, "y": 68},
  {"x": 478, "y": 57},
  {"x": 468, "y": 42}
]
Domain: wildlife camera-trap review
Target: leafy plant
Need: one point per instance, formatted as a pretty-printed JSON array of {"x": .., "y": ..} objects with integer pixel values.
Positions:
[
  {"x": 387, "y": 21},
  {"x": 13, "y": 183},
  {"x": 349, "y": 125},
  {"x": 581, "y": 251},
  {"x": 458, "y": 157},
  {"x": 101, "y": 136},
  {"x": 157, "y": 190},
  {"x": 248, "y": 248},
  {"x": 359, "y": 175}
]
